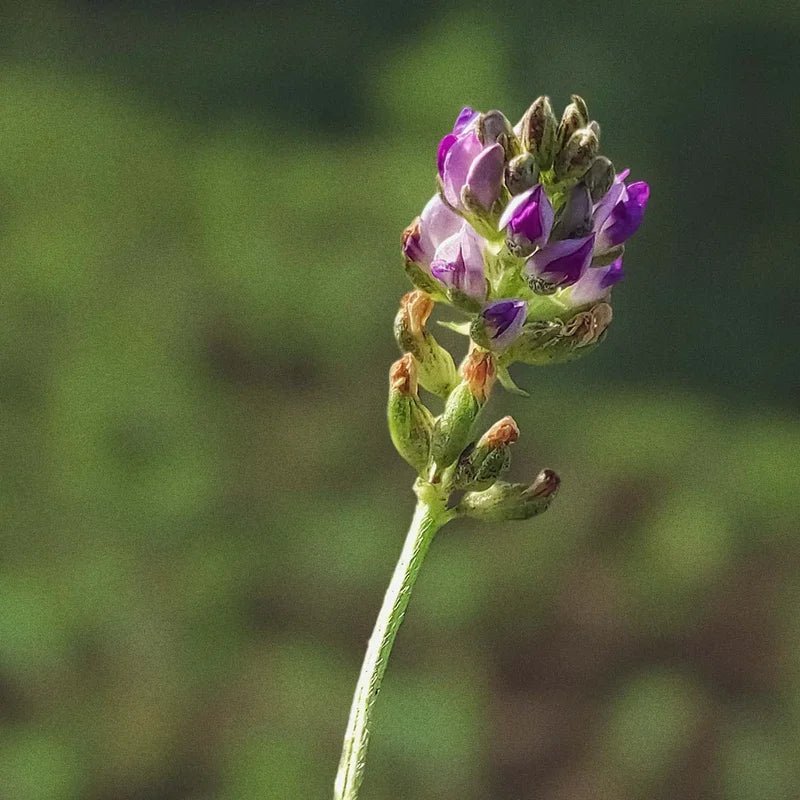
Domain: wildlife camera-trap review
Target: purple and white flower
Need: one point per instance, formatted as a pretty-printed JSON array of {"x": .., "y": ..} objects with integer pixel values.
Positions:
[
  {"x": 468, "y": 169},
  {"x": 620, "y": 213},
  {"x": 503, "y": 321},
  {"x": 436, "y": 223},
  {"x": 458, "y": 263},
  {"x": 595, "y": 284},
  {"x": 529, "y": 219},
  {"x": 560, "y": 264}
]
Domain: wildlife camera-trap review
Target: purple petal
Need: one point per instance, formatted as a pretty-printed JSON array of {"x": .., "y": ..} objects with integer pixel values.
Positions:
[
  {"x": 514, "y": 204},
  {"x": 485, "y": 176},
  {"x": 562, "y": 263},
  {"x": 625, "y": 217},
  {"x": 464, "y": 118},
  {"x": 595, "y": 283},
  {"x": 533, "y": 220},
  {"x": 503, "y": 320},
  {"x": 456, "y": 166},
  {"x": 437, "y": 222},
  {"x": 602, "y": 211},
  {"x": 459, "y": 265},
  {"x": 444, "y": 148}
]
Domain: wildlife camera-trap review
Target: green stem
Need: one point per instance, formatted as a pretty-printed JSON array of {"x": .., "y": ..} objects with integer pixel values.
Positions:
[{"x": 429, "y": 516}]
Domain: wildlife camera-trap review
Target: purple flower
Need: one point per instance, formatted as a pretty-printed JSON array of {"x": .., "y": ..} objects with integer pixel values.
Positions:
[
  {"x": 465, "y": 164},
  {"x": 458, "y": 263},
  {"x": 503, "y": 321},
  {"x": 560, "y": 263},
  {"x": 529, "y": 219},
  {"x": 619, "y": 214},
  {"x": 436, "y": 223},
  {"x": 595, "y": 283}
]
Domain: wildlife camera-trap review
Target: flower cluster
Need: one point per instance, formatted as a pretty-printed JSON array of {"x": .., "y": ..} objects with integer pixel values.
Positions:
[
  {"x": 529, "y": 224},
  {"x": 526, "y": 237}
]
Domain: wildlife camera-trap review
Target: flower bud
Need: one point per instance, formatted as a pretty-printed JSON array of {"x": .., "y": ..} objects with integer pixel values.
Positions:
[
  {"x": 480, "y": 466},
  {"x": 512, "y": 501},
  {"x": 559, "y": 264},
  {"x": 436, "y": 370},
  {"x": 538, "y": 132},
  {"x": 484, "y": 181},
  {"x": 599, "y": 178},
  {"x": 528, "y": 219},
  {"x": 410, "y": 422},
  {"x": 499, "y": 324},
  {"x": 575, "y": 116},
  {"x": 453, "y": 429},
  {"x": 494, "y": 128},
  {"x": 522, "y": 173},
  {"x": 575, "y": 219},
  {"x": 555, "y": 342},
  {"x": 459, "y": 266},
  {"x": 576, "y": 155}
]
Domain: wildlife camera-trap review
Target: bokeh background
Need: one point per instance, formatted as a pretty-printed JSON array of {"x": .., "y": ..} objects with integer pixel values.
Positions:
[{"x": 200, "y": 210}]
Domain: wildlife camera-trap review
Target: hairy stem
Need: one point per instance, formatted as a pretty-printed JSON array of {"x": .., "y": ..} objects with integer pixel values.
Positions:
[{"x": 429, "y": 516}]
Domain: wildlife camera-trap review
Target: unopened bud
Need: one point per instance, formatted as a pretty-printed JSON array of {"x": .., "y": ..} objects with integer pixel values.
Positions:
[
  {"x": 577, "y": 154},
  {"x": 453, "y": 429},
  {"x": 436, "y": 369},
  {"x": 494, "y": 128},
  {"x": 410, "y": 422},
  {"x": 521, "y": 173},
  {"x": 554, "y": 342},
  {"x": 479, "y": 373},
  {"x": 538, "y": 132},
  {"x": 480, "y": 466},
  {"x": 575, "y": 219},
  {"x": 512, "y": 501},
  {"x": 575, "y": 116},
  {"x": 599, "y": 177}
]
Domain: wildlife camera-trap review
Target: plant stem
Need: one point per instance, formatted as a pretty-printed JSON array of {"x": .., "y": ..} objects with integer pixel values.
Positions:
[{"x": 429, "y": 516}]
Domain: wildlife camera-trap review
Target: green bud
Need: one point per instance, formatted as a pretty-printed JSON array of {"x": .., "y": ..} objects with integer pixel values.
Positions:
[
  {"x": 453, "y": 429},
  {"x": 555, "y": 342},
  {"x": 575, "y": 217},
  {"x": 538, "y": 132},
  {"x": 575, "y": 157},
  {"x": 482, "y": 464},
  {"x": 410, "y": 422},
  {"x": 436, "y": 368},
  {"x": 511, "y": 501},
  {"x": 521, "y": 173},
  {"x": 493, "y": 127},
  {"x": 575, "y": 116},
  {"x": 599, "y": 177}
]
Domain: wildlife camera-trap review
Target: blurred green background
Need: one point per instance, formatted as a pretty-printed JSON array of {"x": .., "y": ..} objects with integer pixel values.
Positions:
[{"x": 200, "y": 211}]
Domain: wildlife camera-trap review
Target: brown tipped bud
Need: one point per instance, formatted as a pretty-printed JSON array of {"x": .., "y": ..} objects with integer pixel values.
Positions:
[
  {"x": 544, "y": 486},
  {"x": 479, "y": 373},
  {"x": 575, "y": 116},
  {"x": 503, "y": 432},
  {"x": 538, "y": 131},
  {"x": 403, "y": 376},
  {"x": 436, "y": 369},
  {"x": 577, "y": 154},
  {"x": 415, "y": 310},
  {"x": 588, "y": 327}
]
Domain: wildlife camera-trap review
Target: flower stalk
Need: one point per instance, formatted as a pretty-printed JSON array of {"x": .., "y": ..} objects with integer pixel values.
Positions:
[{"x": 526, "y": 236}]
